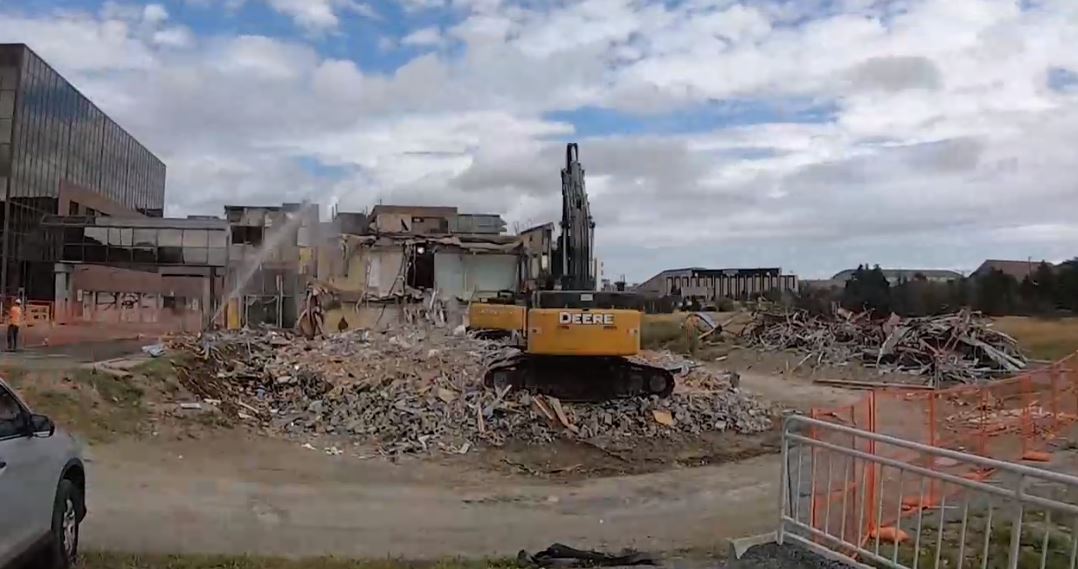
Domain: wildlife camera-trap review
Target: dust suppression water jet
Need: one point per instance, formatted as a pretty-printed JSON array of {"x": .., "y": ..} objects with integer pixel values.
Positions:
[{"x": 270, "y": 244}]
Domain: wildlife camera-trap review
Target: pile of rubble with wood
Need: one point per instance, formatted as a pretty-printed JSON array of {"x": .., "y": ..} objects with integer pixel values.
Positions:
[
  {"x": 421, "y": 390},
  {"x": 962, "y": 347}
]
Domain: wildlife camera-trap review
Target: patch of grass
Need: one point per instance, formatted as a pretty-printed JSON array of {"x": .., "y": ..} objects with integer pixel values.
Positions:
[
  {"x": 120, "y": 391},
  {"x": 1042, "y": 338},
  {"x": 104, "y": 560},
  {"x": 1031, "y": 539},
  {"x": 155, "y": 368},
  {"x": 13, "y": 375},
  {"x": 664, "y": 331},
  {"x": 95, "y": 406}
]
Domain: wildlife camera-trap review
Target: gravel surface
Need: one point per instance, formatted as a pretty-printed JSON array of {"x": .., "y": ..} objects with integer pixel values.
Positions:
[{"x": 775, "y": 556}]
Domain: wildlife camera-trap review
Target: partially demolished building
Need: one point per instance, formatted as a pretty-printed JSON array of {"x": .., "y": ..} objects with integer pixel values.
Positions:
[{"x": 408, "y": 262}]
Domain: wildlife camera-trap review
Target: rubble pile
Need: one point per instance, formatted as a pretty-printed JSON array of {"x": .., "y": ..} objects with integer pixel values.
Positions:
[
  {"x": 953, "y": 348},
  {"x": 421, "y": 390}
]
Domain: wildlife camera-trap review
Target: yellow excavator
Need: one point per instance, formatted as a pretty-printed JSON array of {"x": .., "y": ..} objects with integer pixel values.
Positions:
[
  {"x": 577, "y": 339},
  {"x": 496, "y": 314}
]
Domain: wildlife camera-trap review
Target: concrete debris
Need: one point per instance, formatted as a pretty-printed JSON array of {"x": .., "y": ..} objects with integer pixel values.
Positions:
[
  {"x": 954, "y": 348},
  {"x": 420, "y": 391},
  {"x": 154, "y": 350}
]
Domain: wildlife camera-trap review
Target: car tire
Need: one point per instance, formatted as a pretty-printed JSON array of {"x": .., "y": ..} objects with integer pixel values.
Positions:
[{"x": 63, "y": 547}]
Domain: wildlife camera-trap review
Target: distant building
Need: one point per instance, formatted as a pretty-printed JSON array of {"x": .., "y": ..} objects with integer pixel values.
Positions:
[
  {"x": 1017, "y": 269},
  {"x": 896, "y": 276},
  {"x": 706, "y": 285},
  {"x": 61, "y": 155}
]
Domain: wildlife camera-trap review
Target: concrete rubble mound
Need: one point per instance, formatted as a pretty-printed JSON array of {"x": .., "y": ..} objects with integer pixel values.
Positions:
[
  {"x": 953, "y": 348},
  {"x": 421, "y": 390}
]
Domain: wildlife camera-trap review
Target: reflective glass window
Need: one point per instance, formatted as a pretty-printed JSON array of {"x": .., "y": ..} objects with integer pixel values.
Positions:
[
  {"x": 7, "y": 104},
  {"x": 73, "y": 253},
  {"x": 194, "y": 255},
  {"x": 97, "y": 234},
  {"x": 169, "y": 238},
  {"x": 120, "y": 236},
  {"x": 8, "y": 77},
  {"x": 218, "y": 239},
  {"x": 170, "y": 255},
  {"x": 94, "y": 254},
  {"x": 195, "y": 238},
  {"x": 217, "y": 256},
  {"x": 144, "y": 255},
  {"x": 145, "y": 238}
]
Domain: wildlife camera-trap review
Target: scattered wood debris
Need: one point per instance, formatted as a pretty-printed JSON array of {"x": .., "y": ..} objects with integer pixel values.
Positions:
[{"x": 954, "y": 348}]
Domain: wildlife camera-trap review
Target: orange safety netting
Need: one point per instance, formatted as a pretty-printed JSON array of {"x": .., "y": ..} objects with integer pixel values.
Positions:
[{"x": 1013, "y": 419}]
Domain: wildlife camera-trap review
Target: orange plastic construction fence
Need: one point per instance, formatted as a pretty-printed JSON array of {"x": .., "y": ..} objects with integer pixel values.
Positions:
[{"x": 1013, "y": 419}]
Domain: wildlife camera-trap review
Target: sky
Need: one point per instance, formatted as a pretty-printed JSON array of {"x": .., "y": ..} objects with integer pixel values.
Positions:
[{"x": 811, "y": 135}]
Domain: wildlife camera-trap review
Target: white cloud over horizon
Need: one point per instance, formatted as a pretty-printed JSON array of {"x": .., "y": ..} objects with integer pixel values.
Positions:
[{"x": 938, "y": 138}]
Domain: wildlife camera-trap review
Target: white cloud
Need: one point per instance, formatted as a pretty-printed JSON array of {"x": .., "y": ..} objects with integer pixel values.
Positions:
[
  {"x": 154, "y": 13},
  {"x": 938, "y": 140},
  {"x": 320, "y": 15},
  {"x": 424, "y": 37},
  {"x": 176, "y": 36},
  {"x": 313, "y": 15},
  {"x": 79, "y": 43}
]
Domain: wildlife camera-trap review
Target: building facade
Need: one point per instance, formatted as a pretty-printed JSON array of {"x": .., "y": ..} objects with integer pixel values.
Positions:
[
  {"x": 60, "y": 155},
  {"x": 709, "y": 285}
]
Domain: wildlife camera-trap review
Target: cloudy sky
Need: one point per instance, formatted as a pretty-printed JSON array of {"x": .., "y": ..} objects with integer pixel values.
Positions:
[{"x": 808, "y": 134}]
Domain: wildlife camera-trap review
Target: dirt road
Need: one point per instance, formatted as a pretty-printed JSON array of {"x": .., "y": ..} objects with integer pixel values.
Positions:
[
  {"x": 234, "y": 493},
  {"x": 277, "y": 498}
]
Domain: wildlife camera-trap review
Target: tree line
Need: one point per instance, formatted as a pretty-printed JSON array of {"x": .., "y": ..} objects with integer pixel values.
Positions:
[{"x": 1047, "y": 290}]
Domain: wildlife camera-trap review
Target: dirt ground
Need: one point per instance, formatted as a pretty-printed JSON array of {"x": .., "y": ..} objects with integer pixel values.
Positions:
[
  {"x": 167, "y": 480},
  {"x": 277, "y": 498}
]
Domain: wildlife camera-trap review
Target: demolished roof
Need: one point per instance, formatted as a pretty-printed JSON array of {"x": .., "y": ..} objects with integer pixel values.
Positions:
[
  {"x": 477, "y": 243},
  {"x": 1017, "y": 269}
]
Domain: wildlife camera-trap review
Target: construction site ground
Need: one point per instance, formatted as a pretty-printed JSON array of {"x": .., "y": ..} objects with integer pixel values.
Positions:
[
  {"x": 164, "y": 480},
  {"x": 206, "y": 487}
]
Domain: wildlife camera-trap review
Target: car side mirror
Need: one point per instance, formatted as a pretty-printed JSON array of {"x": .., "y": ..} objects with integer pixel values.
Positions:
[{"x": 41, "y": 426}]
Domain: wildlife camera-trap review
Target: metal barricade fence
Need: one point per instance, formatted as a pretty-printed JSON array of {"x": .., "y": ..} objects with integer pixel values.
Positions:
[
  {"x": 1018, "y": 516},
  {"x": 1011, "y": 419}
]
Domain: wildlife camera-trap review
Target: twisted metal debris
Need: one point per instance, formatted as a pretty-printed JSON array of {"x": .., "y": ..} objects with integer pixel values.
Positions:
[{"x": 420, "y": 390}]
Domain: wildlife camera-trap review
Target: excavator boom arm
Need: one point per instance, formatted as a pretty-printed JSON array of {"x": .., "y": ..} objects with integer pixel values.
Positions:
[{"x": 577, "y": 240}]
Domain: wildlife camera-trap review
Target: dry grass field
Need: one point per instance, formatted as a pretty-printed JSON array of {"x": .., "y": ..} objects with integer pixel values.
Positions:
[{"x": 1042, "y": 338}]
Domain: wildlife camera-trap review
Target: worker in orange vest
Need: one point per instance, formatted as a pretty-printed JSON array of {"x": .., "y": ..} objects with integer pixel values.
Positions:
[{"x": 14, "y": 322}]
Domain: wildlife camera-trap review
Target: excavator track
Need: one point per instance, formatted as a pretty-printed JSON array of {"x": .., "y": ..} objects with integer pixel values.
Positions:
[{"x": 572, "y": 378}]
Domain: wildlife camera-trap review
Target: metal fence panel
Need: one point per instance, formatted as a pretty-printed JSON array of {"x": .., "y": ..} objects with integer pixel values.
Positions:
[{"x": 905, "y": 504}]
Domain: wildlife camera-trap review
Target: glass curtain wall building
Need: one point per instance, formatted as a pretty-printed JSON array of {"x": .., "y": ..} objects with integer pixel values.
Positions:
[{"x": 59, "y": 154}]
